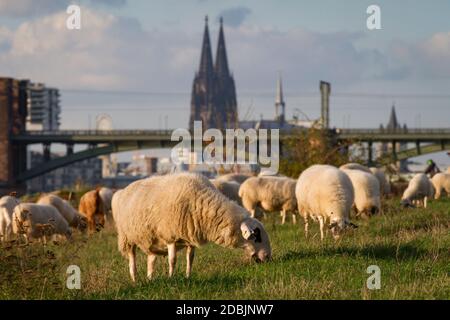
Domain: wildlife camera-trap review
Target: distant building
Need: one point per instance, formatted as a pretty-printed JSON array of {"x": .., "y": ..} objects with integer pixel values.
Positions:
[
  {"x": 213, "y": 99},
  {"x": 43, "y": 107},
  {"x": 13, "y": 112},
  {"x": 280, "y": 120},
  {"x": 83, "y": 173},
  {"x": 393, "y": 125}
]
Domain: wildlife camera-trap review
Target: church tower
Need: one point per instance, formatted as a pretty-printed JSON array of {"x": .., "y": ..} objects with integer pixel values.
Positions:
[
  {"x": 226, "y": 103},
  {"x": 213, "y": 99}
]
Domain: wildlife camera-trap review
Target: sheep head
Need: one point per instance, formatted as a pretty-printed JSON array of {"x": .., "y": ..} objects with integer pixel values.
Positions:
[{"x": 256, "y": 240}]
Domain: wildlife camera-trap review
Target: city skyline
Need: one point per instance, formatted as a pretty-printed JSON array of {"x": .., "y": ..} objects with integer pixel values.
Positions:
[{"x": 130, "y": 46}]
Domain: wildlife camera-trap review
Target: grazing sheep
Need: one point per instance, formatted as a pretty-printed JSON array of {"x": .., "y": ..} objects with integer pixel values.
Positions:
[
  {"x": 385, "y": 186},
  {"x": 72, "y": 216},
  {"x": 7, "y": 205},
  {"x": 239, "y": 178},
  {"x": 325, "y": 193},
  {"x": 355, "y": 166},
  {"x": 161, "y": 215},
  {"x": 91, "y": 205},
  {"x": 270, "y": 194},
  {"x": 36, "y": 221},
  {"x": 229, "y": 188},
  {"x": 419, "y": 190},
  {"x": 441, "y": 181},
  {"x": 367, "y": 192}
]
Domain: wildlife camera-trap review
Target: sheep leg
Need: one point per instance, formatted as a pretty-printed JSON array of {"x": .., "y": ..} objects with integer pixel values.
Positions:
[
  {"x": 132, "y": 263},
  {"x": 425, "y": 200},
  {"x": 189, "y": 260},
  {"x": 151, "y": 258},
  {"x": 305, "y": 218},
  {"x": 283, "y": 216},
  {"x": 294, "y": 218},
  {"x": 321, "y": 224},
  {"x": 172, "y": 254}
]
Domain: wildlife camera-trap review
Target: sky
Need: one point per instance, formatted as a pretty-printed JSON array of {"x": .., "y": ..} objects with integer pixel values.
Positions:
[{"x": 136, "y": 59}]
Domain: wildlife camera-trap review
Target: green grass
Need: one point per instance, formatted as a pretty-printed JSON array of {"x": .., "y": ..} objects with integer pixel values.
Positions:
[{"x": 411, "y": 246}]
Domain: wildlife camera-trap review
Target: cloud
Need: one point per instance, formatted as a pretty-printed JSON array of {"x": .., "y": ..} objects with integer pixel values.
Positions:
[
  {"x": 27, "y": 8},
  {"x": 111, "y": 3},
  {"x": 234, "y": 17},
  {"x": 33, "y": 8},
  {"x": 115, "y": 53}
]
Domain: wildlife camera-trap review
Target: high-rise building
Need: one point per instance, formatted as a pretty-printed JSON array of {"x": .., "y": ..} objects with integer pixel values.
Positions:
[
  {"x": 213, "y": 99},
  {"x": 43, "y": 108}
]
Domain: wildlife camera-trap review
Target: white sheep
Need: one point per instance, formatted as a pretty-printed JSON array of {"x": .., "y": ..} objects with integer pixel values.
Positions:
[
  {"x": 36, "y": 221},
  {"x": 163, "y": 214},
  {"x": 7, "y": 205},
  {"x": 441, "y": 181},
  {"x": 74, "y": 218},
  {"x": 239, "y": 178},
  {"x": 270, "y": 194},
  {"x": 419, "y": 190},
  {"x": 325, "y": 193},
  {"x": 229, "y": 188},
  {"x": 355, "y": 166},
  {"x": 385, "y": 185},
  {"x": 367, "y": 192}
]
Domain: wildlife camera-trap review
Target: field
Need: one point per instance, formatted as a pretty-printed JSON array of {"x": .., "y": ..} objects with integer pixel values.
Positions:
[{"x": 411, "y": 247}]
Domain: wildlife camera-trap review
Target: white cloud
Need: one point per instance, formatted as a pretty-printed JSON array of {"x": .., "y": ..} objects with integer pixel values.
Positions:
[{"x": 115, "y": 53}]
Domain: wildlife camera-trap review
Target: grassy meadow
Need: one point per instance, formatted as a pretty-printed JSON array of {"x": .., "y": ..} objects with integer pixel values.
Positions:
[{"x": 411, "y": 247}]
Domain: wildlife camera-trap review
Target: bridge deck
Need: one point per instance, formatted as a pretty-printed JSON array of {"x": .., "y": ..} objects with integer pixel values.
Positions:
[{"x": 101, "y": 136}]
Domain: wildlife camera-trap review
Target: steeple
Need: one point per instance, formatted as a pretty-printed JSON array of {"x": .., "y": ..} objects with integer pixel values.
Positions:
[
  {"x": 393, "y": 122},
  {"x": 206, "y": 62},
  {"x": 221, "y": 67},
  {"x": 279, "y": 101}
]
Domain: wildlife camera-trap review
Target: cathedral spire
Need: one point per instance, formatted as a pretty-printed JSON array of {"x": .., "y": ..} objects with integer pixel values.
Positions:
[
  {"x": 206, "y": 62},
  {"x": 221, "y": 66},
  {"x": 393, "y": 122}
]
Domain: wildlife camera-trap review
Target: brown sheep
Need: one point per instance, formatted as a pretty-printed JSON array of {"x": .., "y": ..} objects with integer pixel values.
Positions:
[{"x": 92, "y": 207}]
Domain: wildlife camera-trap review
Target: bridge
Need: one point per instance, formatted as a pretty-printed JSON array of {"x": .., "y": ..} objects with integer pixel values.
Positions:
[{"x": 102, "y": 142}]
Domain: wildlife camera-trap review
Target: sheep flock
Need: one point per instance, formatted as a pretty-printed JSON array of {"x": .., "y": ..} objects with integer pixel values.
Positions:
[{"x": 162, "y": 215}]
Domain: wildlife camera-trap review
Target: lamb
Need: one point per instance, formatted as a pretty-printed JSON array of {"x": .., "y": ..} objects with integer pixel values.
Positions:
[
  {"x": 72, "y": 216},
  {"x": 164, "y": 214},
  {"x": 270, "y": 194},
  {"x": 325, "y": 193},
  {"x": 7, "y": 205},
  {"x": 229, "y": 188},
  {"x": 239, "y": 178},
  {"x": 355, "y": 166},
  {"x": 37, "y": 221},
  {"x": 92, "y": 206},
  {"x": 419, "y": 190},
  {"x": 441, "y": 181},
  {"x": 367, "y": 192},
  {"x": 385, "y": 186}
]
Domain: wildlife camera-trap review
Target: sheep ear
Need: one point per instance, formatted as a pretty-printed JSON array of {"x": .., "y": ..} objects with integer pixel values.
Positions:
[{"x": 247, "y": 233}]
